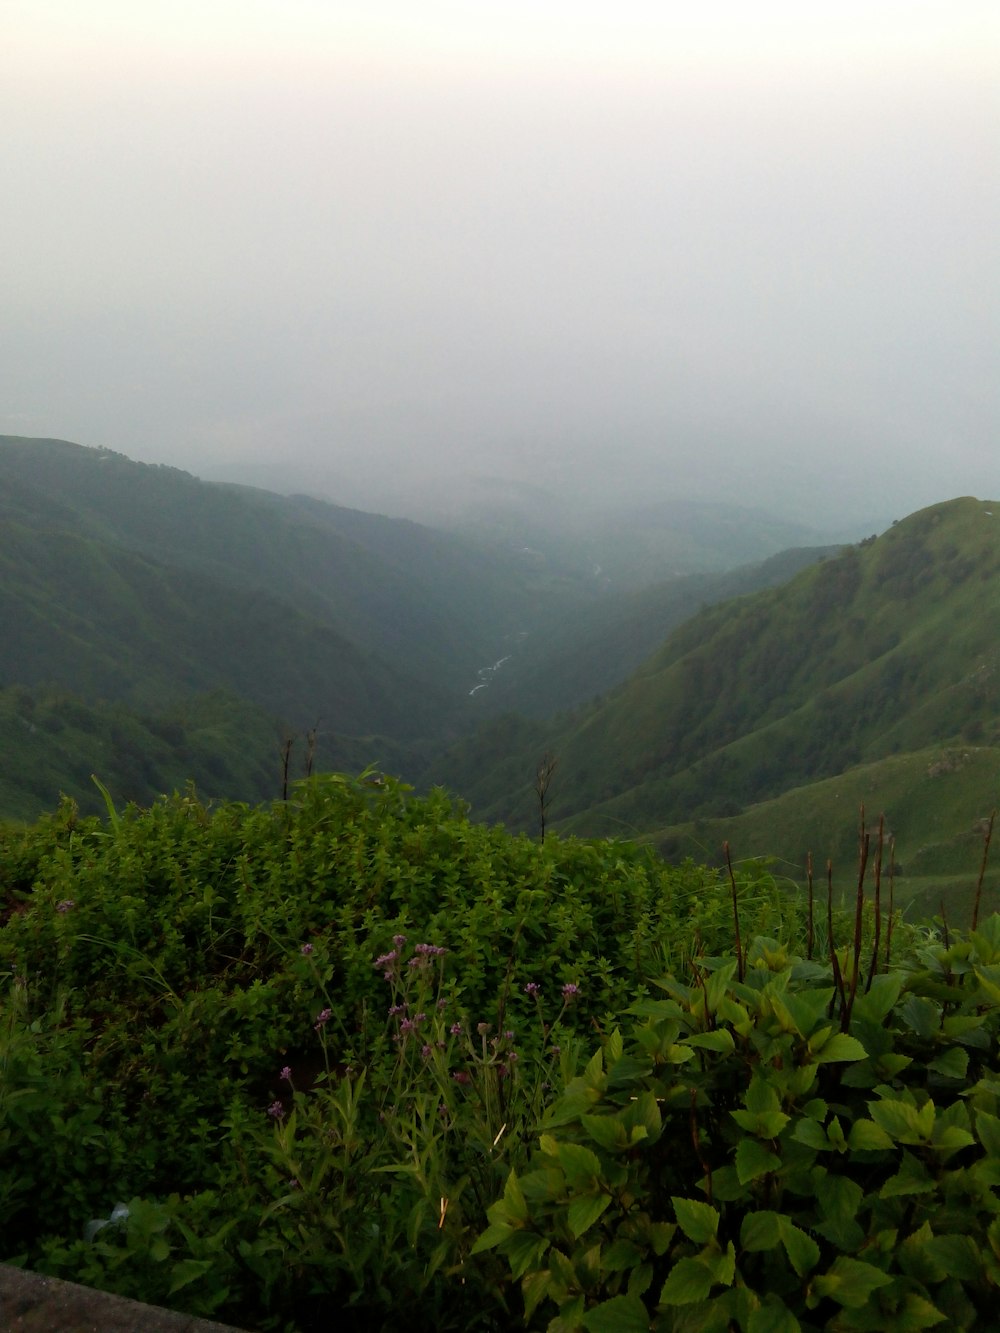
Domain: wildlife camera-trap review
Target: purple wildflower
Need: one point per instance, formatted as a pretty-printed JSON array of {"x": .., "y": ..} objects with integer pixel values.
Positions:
[
  {"x": 455, "y": 1029},
  {"x": 532, "y": 988},
  {"x": 396, "y": 1009},
  {"x": 460, "y": 1076},
  {"x": 426, "y": 1051},
  {"x": 322, "y": 1018},
  {"x": 386, "y": 960},
  {"x": 66, "y": 905},
  {"x": 276, "y": 1111},
  {"x": 399, "y": 940},
  {"x": 286, "y": 1074},
  {"x": 570, "y": 991},
  {"x": 306, "y": 950}
]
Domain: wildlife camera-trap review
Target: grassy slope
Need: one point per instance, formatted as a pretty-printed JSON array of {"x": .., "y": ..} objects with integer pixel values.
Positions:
[
  {"x": 107, "y": 623},
  {"x": 936, "y": 803},
  {"x": 426, "y": 601},
  {"x": 595, "y": 647},
  {"x": 887, "y": 649}
]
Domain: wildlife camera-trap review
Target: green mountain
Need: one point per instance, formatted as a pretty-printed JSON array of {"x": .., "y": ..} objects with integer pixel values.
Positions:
[
  {"x": 889, "y": 648},
  {"x": 597, "y": 645},
  {"x": 140, "y": 590},
  {"x": 432, "y": 605}
]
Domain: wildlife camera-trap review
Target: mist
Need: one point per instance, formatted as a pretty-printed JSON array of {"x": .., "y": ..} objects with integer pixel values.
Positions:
[{"x": 611, "y": 253}]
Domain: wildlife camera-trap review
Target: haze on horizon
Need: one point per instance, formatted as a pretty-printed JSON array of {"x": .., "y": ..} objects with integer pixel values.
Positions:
[{"x": 383, "y": 250}]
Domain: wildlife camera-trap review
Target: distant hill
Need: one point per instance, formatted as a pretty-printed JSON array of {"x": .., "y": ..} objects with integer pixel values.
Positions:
[
  {"x": 595, "y": 646},
  {"x": 130, "y": 591},
  {"x": 139, "y": 589},
  {"x": 433, "y": 606},
  {"x": 625, "y": 547},
  {"x": 889, "y": 648}
]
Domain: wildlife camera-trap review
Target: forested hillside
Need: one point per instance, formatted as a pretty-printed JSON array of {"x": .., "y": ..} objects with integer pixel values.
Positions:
[
  {"x": 888, "y": 648},
  {"x": 136, "y": 598}
]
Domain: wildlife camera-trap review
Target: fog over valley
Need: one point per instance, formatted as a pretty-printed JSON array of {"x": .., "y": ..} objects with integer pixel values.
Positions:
[{"x": 434, "y": 262}]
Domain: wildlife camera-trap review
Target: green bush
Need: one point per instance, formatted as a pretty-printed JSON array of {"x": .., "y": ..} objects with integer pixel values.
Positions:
[
  {"x": 775, "y": 1153},
  {"x": 162, "y": 969}
]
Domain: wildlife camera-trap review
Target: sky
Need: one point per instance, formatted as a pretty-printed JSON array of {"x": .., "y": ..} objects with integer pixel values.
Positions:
[{"x": 411, "y": 255}]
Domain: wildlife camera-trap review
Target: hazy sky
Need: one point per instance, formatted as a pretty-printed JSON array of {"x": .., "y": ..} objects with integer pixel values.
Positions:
[{"x": 744, "y": 249}]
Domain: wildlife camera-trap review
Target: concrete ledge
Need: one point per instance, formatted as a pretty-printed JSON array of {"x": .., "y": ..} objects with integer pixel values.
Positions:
[{"x": 32, "y": 1303}]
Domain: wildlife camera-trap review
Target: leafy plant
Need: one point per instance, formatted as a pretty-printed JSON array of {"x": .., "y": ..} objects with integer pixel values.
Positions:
[{"x": 744, "y": 1162}]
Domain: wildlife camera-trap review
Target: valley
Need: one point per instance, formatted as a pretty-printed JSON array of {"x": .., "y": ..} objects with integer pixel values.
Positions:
[{"x": 160, "y": 630}]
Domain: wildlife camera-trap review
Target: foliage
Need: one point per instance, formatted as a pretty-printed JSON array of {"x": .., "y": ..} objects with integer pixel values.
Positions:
[
  {"x": 193, "y": 1027},
  {"x": 775, "y": 1153}
]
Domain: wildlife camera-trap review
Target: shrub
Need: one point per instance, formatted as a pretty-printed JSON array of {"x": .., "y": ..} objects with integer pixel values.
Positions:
[{"x": 769, "y": 1154}]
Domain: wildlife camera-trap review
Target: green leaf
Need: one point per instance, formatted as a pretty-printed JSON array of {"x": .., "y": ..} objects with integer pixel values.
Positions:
[
  {"x": 882, "y": 995},
  {"x": 959, "y": 1256},
  {"x": 494, "y": 1235},
  {"x": 159, "y": 1249},
  {"x": 570, "y": 1317},
  {"x": 753, "y": 1160},
  {"x": 699, "y": 1221},
  {"x": 689, "y": 1281},
  {"x": 761, "y": 1096},
  {"x": 911, "y": 1178},
  {"x": 621, "y": 1314},
  {"x": 620, "y": 1254},
  {"x": 918, "y": 1313},
  {"x": 581, "y": 1166},
  {"x": 534, "y": 1287},
  {"x": 841, "y": 1046},
  {"x": 515, "y": 1207},
  {"x": 850, "y": 1282},
  {"x": 583, "y": 1213},
  {"x": 660, "y": 1236},
  {"x": 811, "y": 1134},
  {"x": 765, "y": 1124},
  {"x": 186, "y": 1272},
  {"x": 923, "y": 1016},
  {"x": 760, "y": 1230},
  {"x": 900, "y": 1120},
  {"x": 593, "y": 1075},
  {"x": 644, "y": 1112},
  {"x": 950, "y": 1139},
  {"x": 607, "y": 1131},
  {"x": 988, "y": 1130},
  {"x": 802, "y": 1250},
  {"x": 866, "y": 1136},
  {"x": 952, "y": 1063},
  {"x": 774, "y": 1317},
  {"x": 524, "y": 1249},
  {"x": 723, "y": 1266},
  {"x": 720, "y": 1040}
]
